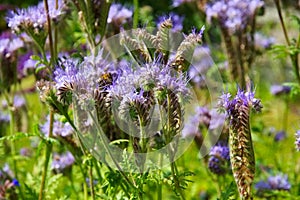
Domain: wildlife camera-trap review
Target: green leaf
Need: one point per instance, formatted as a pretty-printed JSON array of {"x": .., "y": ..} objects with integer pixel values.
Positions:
[
  {"x": 17, "y": 136},
  {"x": 229, "y": 192}
]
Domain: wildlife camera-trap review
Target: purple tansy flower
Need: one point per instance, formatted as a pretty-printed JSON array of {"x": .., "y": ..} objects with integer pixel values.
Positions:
[
  {"x": 297, "y": 142},
  {"x": 219, "y": 159},
  {"x": 280, "y": 89},
  {"x": 177, "y": 21},
  {"x": 119, "y": 15},
  {"x": 61, "y": 162}
]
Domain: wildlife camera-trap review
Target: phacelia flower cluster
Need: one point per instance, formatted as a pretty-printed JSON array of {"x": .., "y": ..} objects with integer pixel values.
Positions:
[
  {"x": 219, "y": 159},
  {"x": 34, "y": 18},
  {"x": 241, "y": 99},
  {"x": 233, "y": 15}
]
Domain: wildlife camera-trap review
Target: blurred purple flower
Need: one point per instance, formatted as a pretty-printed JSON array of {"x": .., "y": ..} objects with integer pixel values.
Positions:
[
  {"x": 219, "y": 159},
  {"x": 202, "y": 61},
  {"x": 4, "y": 118},
  {"x": 177, "y": 3},
  {"x": 280, "y": 135},
  {"x": 233, "y": 14},
  {"x": 118, "y": 14},
  {"x": 26, "y": 152},
  {"x": 59, "y": 128},
  {"x": 263, "y": 42},
  {"x": 61, "y": 162},
  {"x": 176, "y": 19},
  {"x": 278, "y": 182},
  {"x": 19, "y": 102},
  {"x": 280, "y": 89},
  {"x": 8, "y": 44},
  {"x": 24, "y": 64}
]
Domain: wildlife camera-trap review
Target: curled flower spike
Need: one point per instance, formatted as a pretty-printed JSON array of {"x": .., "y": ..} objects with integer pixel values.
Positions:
[{"x": 241, "y": 149}]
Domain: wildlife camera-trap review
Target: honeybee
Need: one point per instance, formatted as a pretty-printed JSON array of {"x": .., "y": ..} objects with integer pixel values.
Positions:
[{"x": 105, "y": 79}]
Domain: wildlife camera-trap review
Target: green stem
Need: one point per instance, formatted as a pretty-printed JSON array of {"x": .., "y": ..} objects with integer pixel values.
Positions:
[
  {"x": 12, "y": 132},
  {"x": 294, "y": 57},
  {"x": 285, "y": 113},
  {"x": 47, "y": 157},
  {"x": 91, "y": 182},
  {"x": 106, "y": 147},
  {"x": 278, "y": 7},
  {"x": 85, "y": 185},
  {"x": 50, "y": 33},
  {"x": 136, "y": 13}
]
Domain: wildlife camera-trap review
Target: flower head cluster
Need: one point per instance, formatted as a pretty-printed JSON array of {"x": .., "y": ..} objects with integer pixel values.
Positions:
[
  {"x": 136, "y": 87},
  {"x": 219, "y": 159},
  {"x": 241, "y": 99},
  {"x": 278, "y": 182},
  {"x": 233, "y": 15},
  {"x": 62, "y": 162},
  {"x": 34, "y": 18},
  {"x": 119, "y": 15},
  {"x": 59, "y": 128}
]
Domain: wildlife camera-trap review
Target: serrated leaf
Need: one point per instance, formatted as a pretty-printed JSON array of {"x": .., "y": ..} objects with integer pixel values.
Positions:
[{"x": 229, "y": 192}]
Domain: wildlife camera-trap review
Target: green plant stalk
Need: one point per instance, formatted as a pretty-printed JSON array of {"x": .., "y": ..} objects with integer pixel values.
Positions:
[
  {"x": 55, "y": 33},
  {"x": 285, "y": 113},
  {"x": 104, "y": 15},
  {"x": 91, "y": 182},
  {"x": 294, "y": 57},
  {"x": 47, "y": 157},
  {"x": 170, "y": 151},
  {"x": 85, "y": 185},
  {"x": 159, "y": 192},
  {"x": 136, "y": 13},
  {"x": 240, "y": 54},
  {"x": 13, "y": 146},
  {"x": 50, "y": 33},
  {"x": 109, "y": 152}
]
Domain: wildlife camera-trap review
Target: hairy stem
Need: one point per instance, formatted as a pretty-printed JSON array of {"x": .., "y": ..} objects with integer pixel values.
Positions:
[
  {"x": 49, "y": 32},
  {"x": 47, "y": 157},
  {"x": 136, "y": 13}
]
